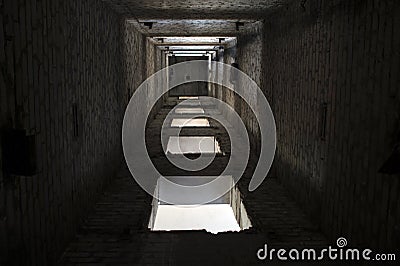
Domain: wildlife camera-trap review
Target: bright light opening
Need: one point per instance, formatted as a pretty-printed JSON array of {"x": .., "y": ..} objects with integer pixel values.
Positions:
[
  {"x": 193, "y": 145},
  {"x": 195, "y": 122},
  {"x": 214, "y": 218},
  {"x": 188, "y": 97},
  {"x": 192, "y": 54},
  {"x": 189, "y": 110},
  {"x": 225, "y": 214}
]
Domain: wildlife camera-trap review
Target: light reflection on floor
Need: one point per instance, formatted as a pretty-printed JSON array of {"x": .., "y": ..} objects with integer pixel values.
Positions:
[
  {"x": 189, "y": 110},
  {"x": 188, "y": 97}
]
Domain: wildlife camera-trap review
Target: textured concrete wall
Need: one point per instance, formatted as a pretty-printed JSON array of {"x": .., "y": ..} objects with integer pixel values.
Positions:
[
  {"x": 58, "y": 58},
  {"x": 68, "y": 70},
  {"x": 249, "y": 58},
  {"x": 248, "y": 54},
  {"x": 141, "y": 60},
  {"x": 134, "y": 47},
  {"x": 343, "y": 54},
  {"x": 154, "y": 60},
  {"x": 330, "y": 70}
]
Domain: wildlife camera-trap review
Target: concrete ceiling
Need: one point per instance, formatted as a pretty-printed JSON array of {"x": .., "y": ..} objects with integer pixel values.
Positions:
[
  {"x": 186, "y": 27},
  {"x": 194, "y": 17},
  {"x": 194, "y": 9},
  {"x": 170, "y": 40}
]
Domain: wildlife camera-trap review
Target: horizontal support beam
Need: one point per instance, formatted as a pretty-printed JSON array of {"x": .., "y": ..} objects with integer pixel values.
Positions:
[
  {"x": 190, "y": 50},
  {"x": 188, "y": 44}
]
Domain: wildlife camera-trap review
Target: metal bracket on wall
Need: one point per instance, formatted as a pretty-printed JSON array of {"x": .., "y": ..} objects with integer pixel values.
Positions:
[
  {"x": 19, "y": 152},
  {"x": 75, "y": 118},
  {"x": 322, "y": 120},
  {"x": 238, "y": 25},
  {"x": 392, "y": 165}
]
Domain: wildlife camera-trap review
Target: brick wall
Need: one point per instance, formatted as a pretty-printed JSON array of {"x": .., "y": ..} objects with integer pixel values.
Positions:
[
  {"x": 342, "y": 55},
  {"x": 61, "y": 80}
]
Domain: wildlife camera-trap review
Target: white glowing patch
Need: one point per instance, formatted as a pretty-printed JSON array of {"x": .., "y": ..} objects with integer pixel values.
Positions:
[
  {"x": 192, "y": 54},
  {"x": 189, "y": 110},
  {"x": 195, "y": 122},
  {"x": 190, "y": 212},
  {"x": 188, "y": 97},
  {"x": 213, "y": 218},
  {"x": 189, "y": 47},
  {"x": 191, "y": 145}
]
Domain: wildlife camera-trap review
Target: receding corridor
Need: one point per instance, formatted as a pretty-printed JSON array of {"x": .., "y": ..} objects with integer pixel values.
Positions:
[
  {"x": 116, "y": 231},
  {"x": 183, "y": 132}
]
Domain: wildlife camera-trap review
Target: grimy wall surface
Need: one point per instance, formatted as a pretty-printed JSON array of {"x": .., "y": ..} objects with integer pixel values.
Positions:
[
  {"x": 60, "y": 81},
  {"x": 68, "y": 69},
  {"x": 247, "y": 53},
  {"x": 330, "y": 71},
  {"x": 332, "y": 75}
]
